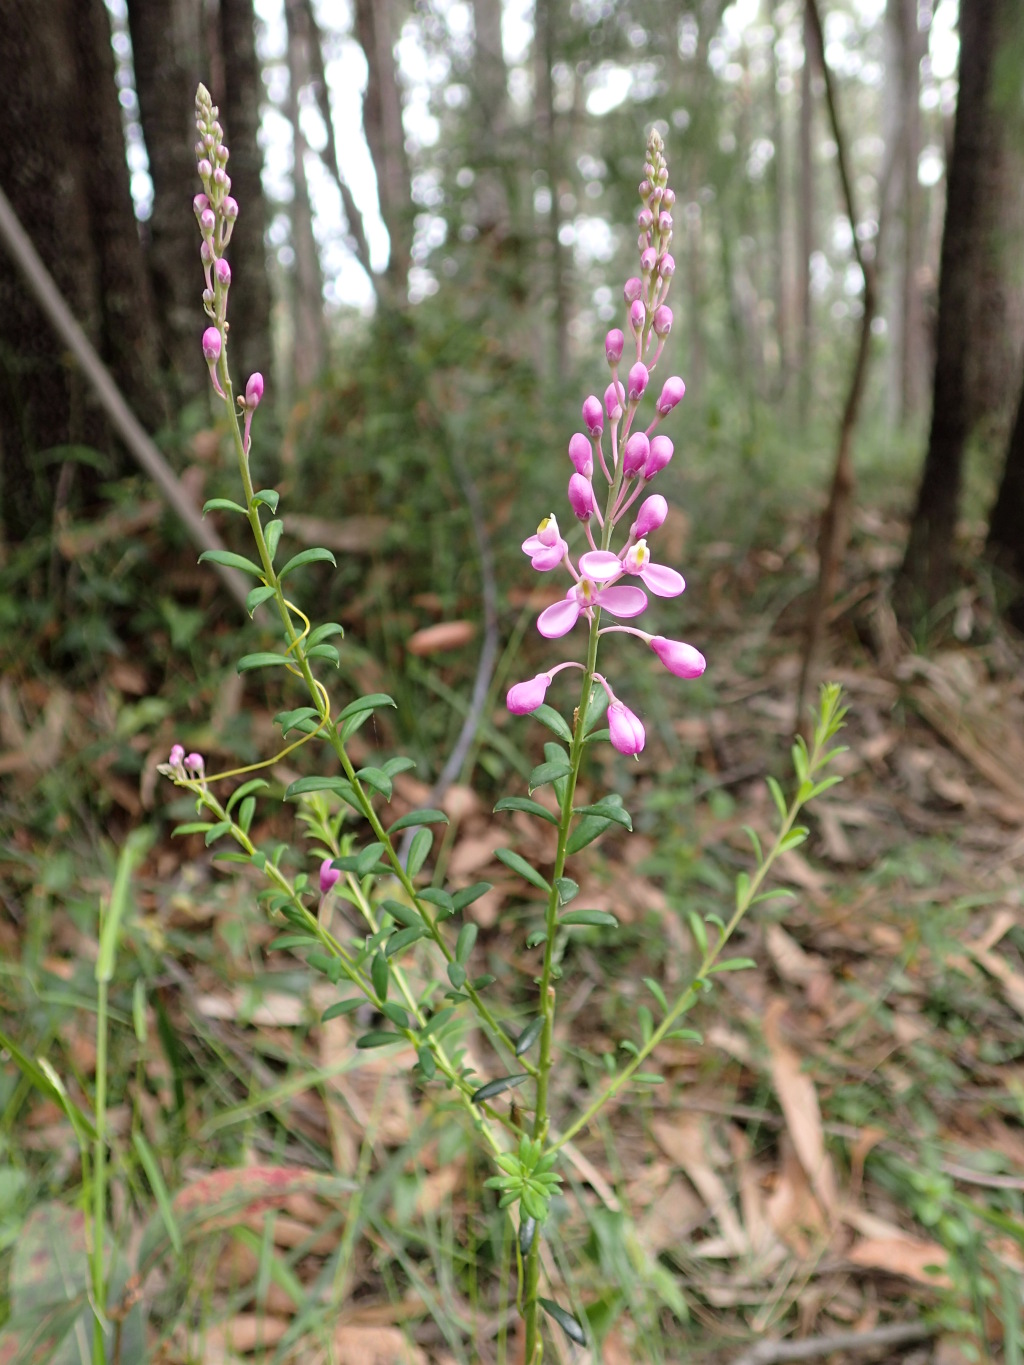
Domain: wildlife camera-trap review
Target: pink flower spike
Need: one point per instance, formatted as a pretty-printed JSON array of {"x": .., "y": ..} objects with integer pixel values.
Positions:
[
  {"x": 546, "y": 549},
  {"x": 526, "y": 696},
  {"x": 613, "y": 344},
  {"x": 329, "y": 876},
  {"x": 632, "y": 289},
  {"x": 638, "y": 380},
  {"x": 600, "y": 565},
  {"x": 177, "y": 756},
  {"x": 581, "y": 452},
  {"x": 254, "y": 390},
  {"x": 671, "y": 393},
  {"x": 581, "y": 496},
  {"x": 679, "y": 658},
  {"x": 627, "y": 733},
  {"x": 652, "y": 514},
  {"x": 636, "y": 453},
  {"x": 593, "y": 415},
  {"x": 659, "y": 578},
  {"x": 661, "y": 452}
]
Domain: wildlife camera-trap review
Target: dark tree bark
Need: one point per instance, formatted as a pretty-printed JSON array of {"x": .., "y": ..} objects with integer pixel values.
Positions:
[
  {"x": 382, "y": 124},
  {"x": 924, "y": 577},
  {"x": 1006, "y": 523},
  {"x": 310, "y": 348},
  {"x": 805, "y": 216},
  {"x": 546, "y": 24},
  {"x": 239, "y": 102},
  {"x": 167, "y": 50},
  {"x": 490, "y": 79},
  {"x": 62, "y": 165}
]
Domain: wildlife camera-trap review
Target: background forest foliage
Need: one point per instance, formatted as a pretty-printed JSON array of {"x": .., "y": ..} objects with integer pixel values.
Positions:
[{"x": 438, "y": 199}]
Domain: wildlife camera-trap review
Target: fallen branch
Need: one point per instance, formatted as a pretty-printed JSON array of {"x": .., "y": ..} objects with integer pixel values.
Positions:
[{"x": 881, "y": 1338}]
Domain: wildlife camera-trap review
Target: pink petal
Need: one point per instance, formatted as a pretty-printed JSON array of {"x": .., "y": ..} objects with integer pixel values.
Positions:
[
  {"x": 558, "y": 619},
  {"x": 600, "y": 565},
  {"x": 544, "y": 557},
  {"x": 663, "y": 581},
  {"x": 622, "y": 601}
]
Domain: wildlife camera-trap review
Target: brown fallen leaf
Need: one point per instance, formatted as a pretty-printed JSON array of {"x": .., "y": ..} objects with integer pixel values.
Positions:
[
  {"x": 246, "y": 1332},
  {"x": 906, "y": 1256},
  {"x": 355, "y": 1345},
  {"x": 799, "y": 1101},
  {"x": 436, "y": 639}
]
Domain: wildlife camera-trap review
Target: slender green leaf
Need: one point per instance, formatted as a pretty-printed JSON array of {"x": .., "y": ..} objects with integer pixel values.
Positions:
[
  {"x": 288, "y": 720},
  {"x": 547, "y": 715},
  {"x": 535, "y": 939},
  {"x": 457, "y": 975},
  {"x": 325, "y": 632},
  {"x": 468, "y": 895},
  {"x": 303, "y": 785},
  {"x": 777, "y": 796},
  {"x": 376, "y": 778},
  {"x": 397, "y": 943},
  {"x": 262, "y": 660},
  {"x": 591, "y": 918},
  {"x": 231, "y": 561},
  {"x": 380, "y": 975},
  {"x": 135, "y": 848},
  {"x": 498, "y": 1087},
  {"x": 222, "y": 505},
  {"x": 257, "y": 596},
  {"x": 253, "y": 785},
  {"x": 656, "y": 990},
  {"x": 269, "y": 496},
  {"x": 395, "y": 1013},
  {"x": 327, "y": 652},
  {"x": 732, "y": 964},
  {"x": 464, "y": 943},
  {"x": 567, "y": 890},
  {"x": 588, "y": 829},
  {"x": 419, "y": 817},
  {"x": 245, "y": 813},
  {"x": 548, "y": 772},
  {"x": 272, "y": 535},
  {"x": 378, "y": 1038},
  {"x": 402, "y": 913},
  {"x": 397, "y": 765},
  {"x": 566, "y": 1321},
  {"x": 433, "y": 895},
  {"x": 419, "y": 850},
  {"x": 529, "y": 1035},
  {"x": 609, "y": 808},
  {"x": 315, "y": 555},
  {"x": 367, "y": 859},
  {"x": 515, "y": 863},
  {"x": 699, "y": 931},
  {"x": 217, "y": 832},
  {"x": 341, "y": 1007},
  {"x": 529, "y": 807},
  {"x": 156, "y": 1183}
]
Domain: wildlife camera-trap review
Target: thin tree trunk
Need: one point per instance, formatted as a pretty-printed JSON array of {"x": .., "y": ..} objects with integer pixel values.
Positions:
[
  {"x": 924, "y": 577},
  {"x": 1006, "y": 523},
  {"x": 490, "y": 79},
  {"x": 382, "y": 124},
  {"x": 310, "y": 344},
  {"x": 167, "y": 52},
  {"x": 239, "y": 102},
  {"x": 805, "y": 216},
  {"x": 546, "y": 49},
  {"x": 782, "y": 288},
  {"x": 835, "y": 523},
  {"x": 63, "y": 168}
]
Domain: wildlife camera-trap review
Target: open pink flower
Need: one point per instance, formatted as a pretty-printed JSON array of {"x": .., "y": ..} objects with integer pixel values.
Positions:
[
  {"x": 627, "y": 733},
  {"x": 329, "y": 875},
  {"x": 659, "y": 578},
  {"x": 559, "y": 619},
  {"x": 546, "y": 549}
]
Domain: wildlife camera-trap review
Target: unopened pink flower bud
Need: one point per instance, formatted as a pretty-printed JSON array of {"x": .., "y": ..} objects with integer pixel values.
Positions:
[
  {"x": 627, "y": 734},
  {"x": 613, "y": 344},
  {"x": 593, "y": 415},
  {"x": 614, "y": 395},
  {"x": 666, "y": 266},
  {"x": 230, "y": 209},
  {"x": 222, "y": 154},
  {"x": 581, "y": 452},
  {"x": 661, "y": 452},
  {"x": 329, "y": 875},
  {"x": 644, "y": 188},
  {"x": 195, "y": 763},
  {"x": 644, "y": 219},
  {"x": 208, "y": 297},
  {"x": 632, "y": 289},
  {"x": 221, "y": 179},
  {"x": 254, "y": 390},
  {"x": 207, "y": 222},
  {"x": 634, "y": 457},
  {"x": 648, "y": 260},
  {"x": 679, "y": 658},
  {"x": 211, "y": 344},
  {"x": 205, "y": 169},
  {"x": 664, "y": 222},
  {"x": 652, "y": 514},
  {"x": 526, "y": 696},
  {"x": 662, "y": 320},
  {"x": 637, "y": 315},
  {"x": 671, "y": 393},
  {"x": 223, "y": 271},
  {"x": 581, "y": 497},
  {"x": 177, "y": 755},
  {"x": 638, "y": 378},
  {"x": 668, "y": 198},
  {"x": 199, "y": 204}
]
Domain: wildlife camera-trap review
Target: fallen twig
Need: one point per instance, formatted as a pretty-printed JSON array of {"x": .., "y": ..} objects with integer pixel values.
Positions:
[{"x": 895, "y": 1334}]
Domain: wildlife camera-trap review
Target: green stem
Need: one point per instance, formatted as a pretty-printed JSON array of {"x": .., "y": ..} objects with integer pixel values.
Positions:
[{"x": 99, "y": 1180}]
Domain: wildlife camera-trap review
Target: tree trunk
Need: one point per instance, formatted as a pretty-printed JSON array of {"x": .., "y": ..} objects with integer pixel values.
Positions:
[
  {"x": 310, "y": 346},
  {"x": 1006, "y": 524},
  {"x": 385, "y": 136},
  {"x": 167, "y": 52},
  {"x": 239, "y": 101},
  {"x": 924, "y": 577},
  {"x": 805, "y": 217},
  {"x": 545, "y": 50},
  {"x": 489, "y": 92},
  {"x": 62, "y": 165}
]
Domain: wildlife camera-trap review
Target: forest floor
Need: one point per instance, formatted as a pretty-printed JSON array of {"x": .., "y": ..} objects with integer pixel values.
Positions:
[{"x": 843, "y": 1155}]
